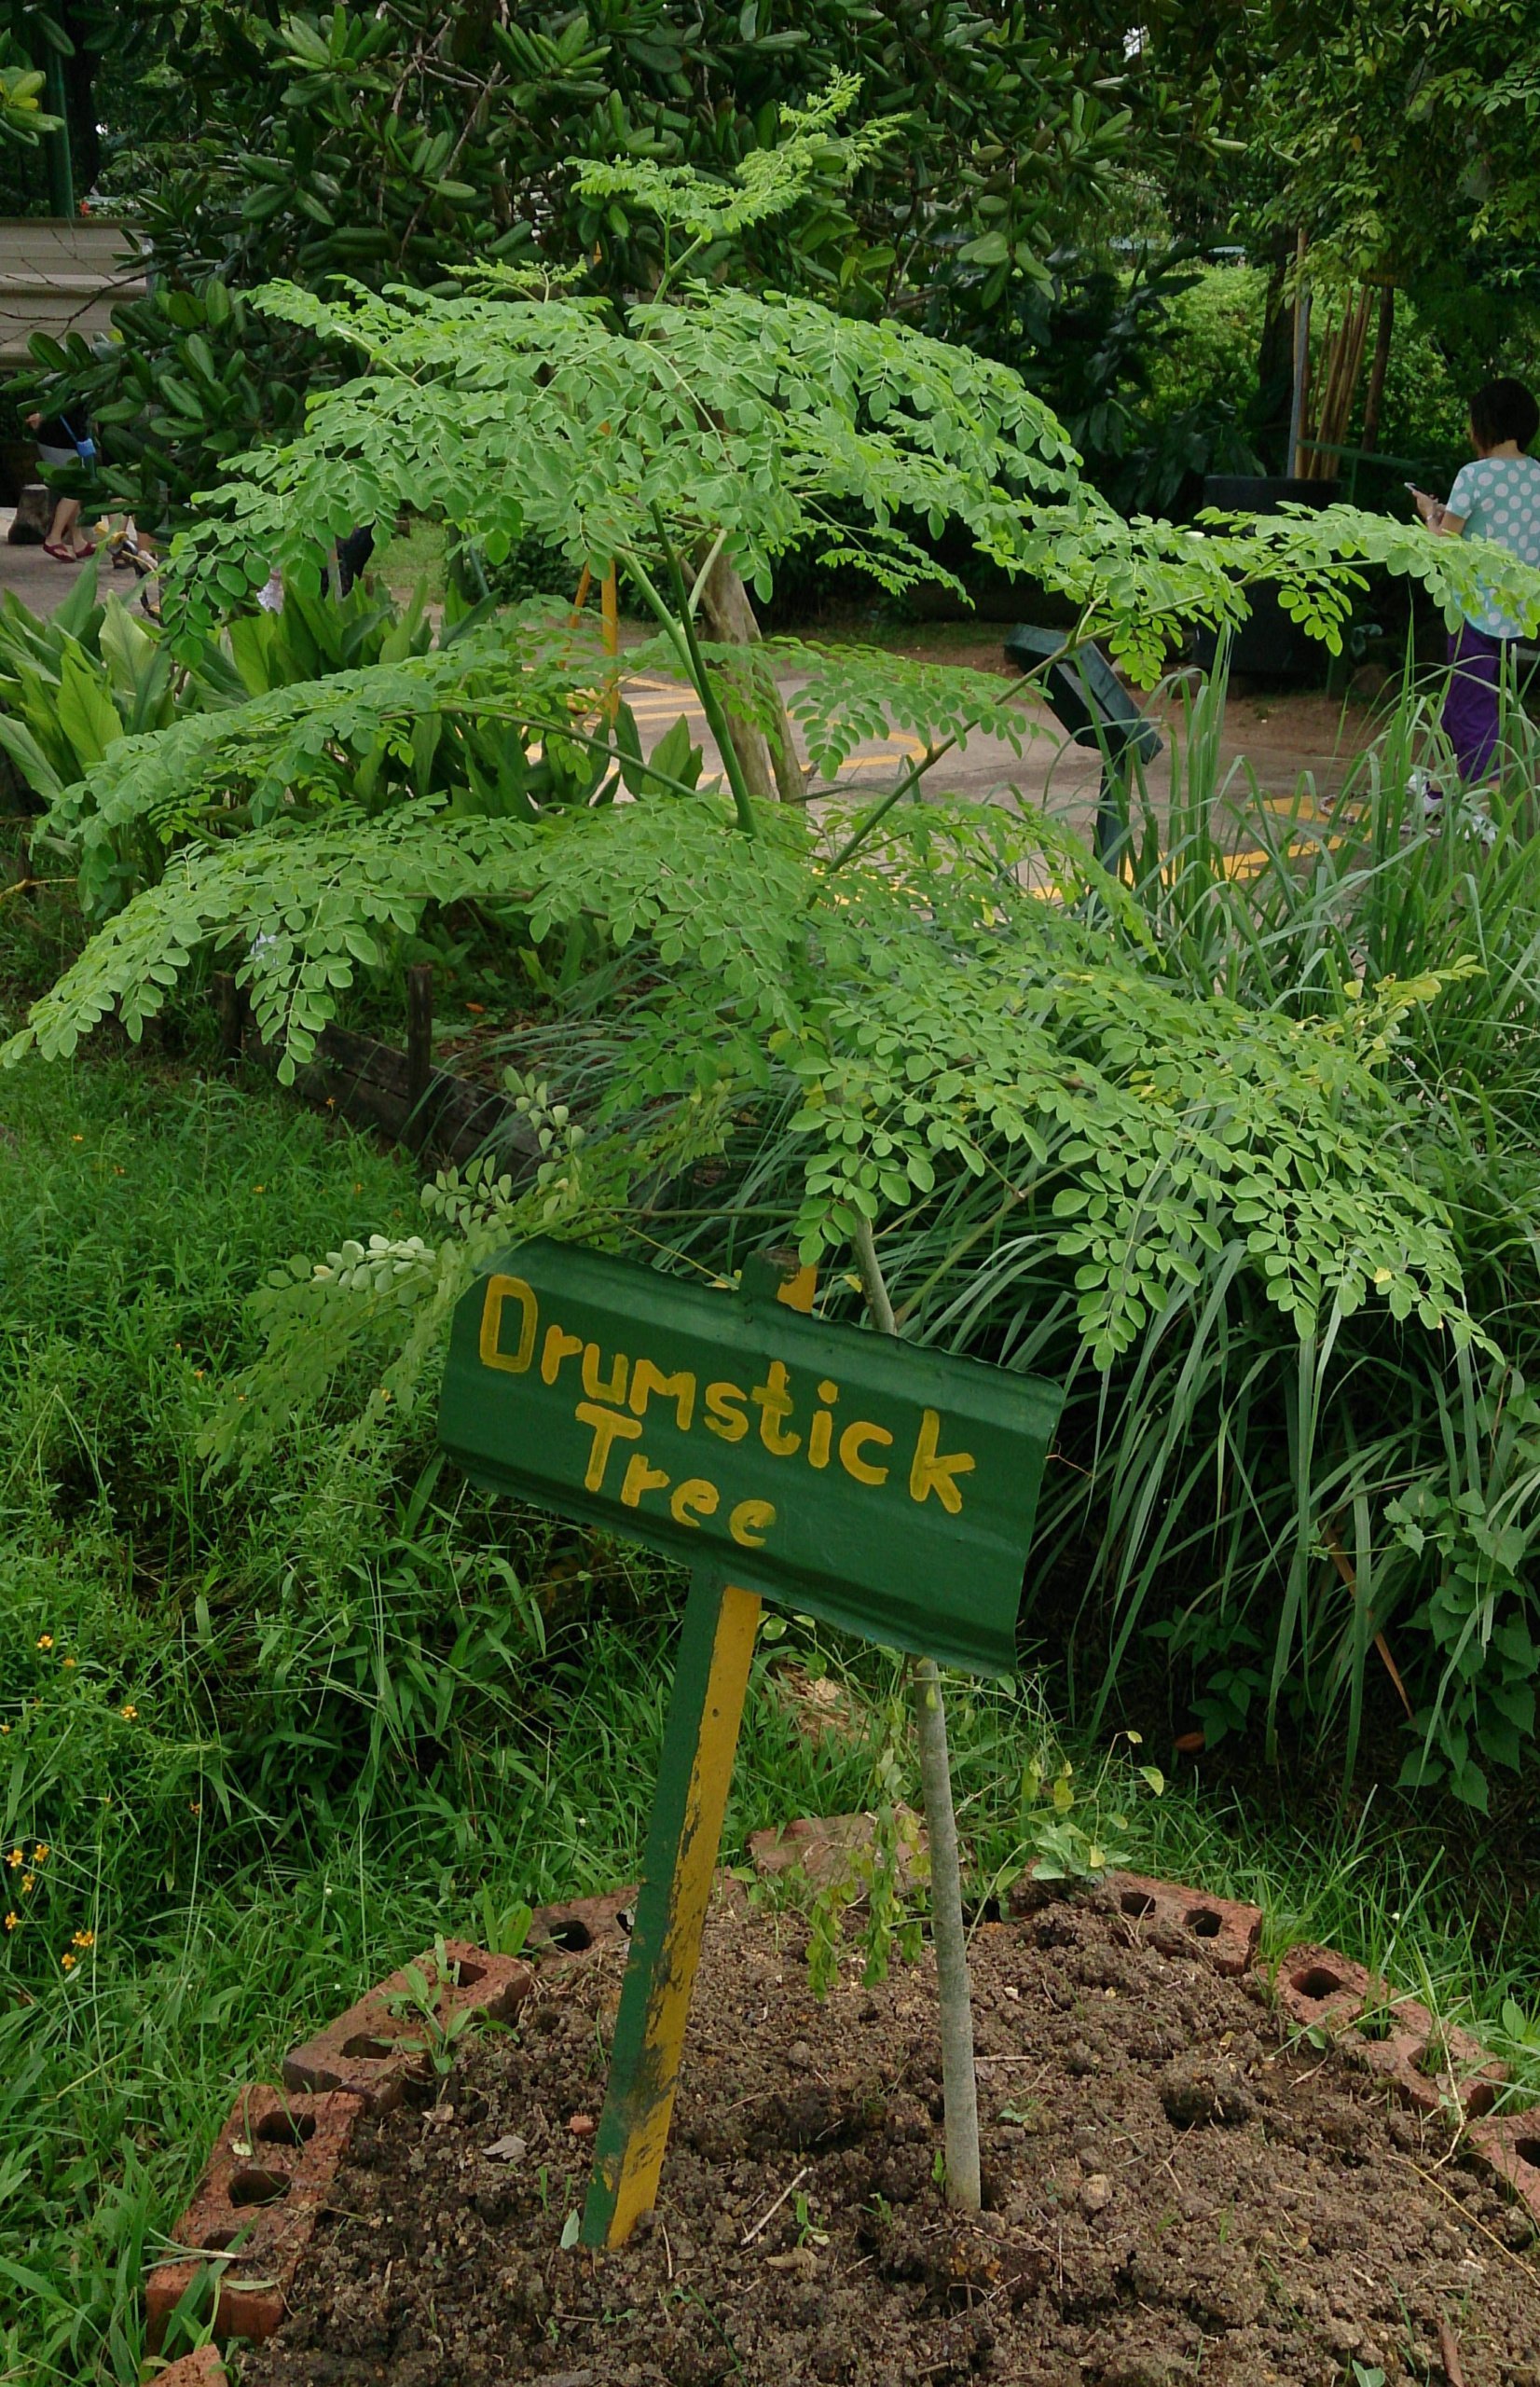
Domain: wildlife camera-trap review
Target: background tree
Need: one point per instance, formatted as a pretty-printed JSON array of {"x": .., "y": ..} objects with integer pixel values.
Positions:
[{"x": 403, "y": 143}]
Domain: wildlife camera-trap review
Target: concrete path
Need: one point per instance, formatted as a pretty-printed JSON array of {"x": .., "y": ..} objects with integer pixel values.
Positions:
[
  {"x": 1276, "y": 751},
  {"x": 1269, "y": 745}
]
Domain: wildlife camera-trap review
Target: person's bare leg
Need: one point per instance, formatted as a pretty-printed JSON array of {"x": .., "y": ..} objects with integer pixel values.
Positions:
[{"x": 66, "y": 514}]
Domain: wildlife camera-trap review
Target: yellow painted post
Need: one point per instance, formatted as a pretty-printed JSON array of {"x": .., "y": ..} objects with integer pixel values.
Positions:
[
  {"x": 609, "y": 598},
  {"x": 695, "y": 1775},
  {"x": 694, "y": 1778}
]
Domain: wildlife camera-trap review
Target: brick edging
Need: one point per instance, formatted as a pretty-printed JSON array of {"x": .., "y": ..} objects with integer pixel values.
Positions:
[
  {"x": 268, "y": 2178},
  {"x": 270, "y": 2170},
  {"x": 1427, "y": 2064}
]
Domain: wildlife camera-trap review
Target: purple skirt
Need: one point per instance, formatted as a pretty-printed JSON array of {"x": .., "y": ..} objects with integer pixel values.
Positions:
[{"x": 1471, "y": 707}]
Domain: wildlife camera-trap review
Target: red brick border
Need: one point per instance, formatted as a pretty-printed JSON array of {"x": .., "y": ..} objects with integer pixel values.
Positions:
[
  {"x": 828, "y": 1849},
  {"x": 1508, "y": 2145},
  {"x": 1222, "y": 1931},
  {"x": 263, "y": 2186},
  {"x": 1317, "y": 1986},
  {"x": 582, "y": 1926},
  {"x": 368, "y": 2050},
  {"x": 275, "y": 2158},
  {"x": 203, "y": 2368}
]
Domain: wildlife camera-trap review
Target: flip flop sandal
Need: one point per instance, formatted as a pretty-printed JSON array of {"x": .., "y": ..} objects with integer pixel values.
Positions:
[{"x": 60, "y": 555}]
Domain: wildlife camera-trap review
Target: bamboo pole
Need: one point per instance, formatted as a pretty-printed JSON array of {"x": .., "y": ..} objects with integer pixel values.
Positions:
[
  {"x": 1375, "y": 395},
  {"x": 1301, "y": 360}
]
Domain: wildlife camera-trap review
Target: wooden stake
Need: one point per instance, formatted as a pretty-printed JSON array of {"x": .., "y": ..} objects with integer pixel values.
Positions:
[
  {"x": 695, "y": 1775},
  {"x": 699, "y": 1742},
  {"x": 953, "y": 1991}
]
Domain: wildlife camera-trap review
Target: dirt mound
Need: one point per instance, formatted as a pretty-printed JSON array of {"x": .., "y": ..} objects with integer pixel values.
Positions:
[{"x": 1176, "y": 2193}]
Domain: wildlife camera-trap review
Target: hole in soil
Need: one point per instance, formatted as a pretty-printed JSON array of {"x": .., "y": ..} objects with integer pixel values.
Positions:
[
  {"x": 1528, "y": 2151},
  {"x": 1432, "y": 2059},
  {"x": 217, "y": 2242},
  {"x": 1204, "y": 1922},
  {"x": 364, "y": 2043},
  {"x": 987, "y": 1911},
  {"x": 254, "y": 2186},
  {"x": 1377, "y": 2025},
  {"x": 571, "y": 1935},
  {"x": 1138, "y": 1904},
  {"x": 1479, "y": 2098},
  {"x": 626, "y": 1917},
  {"x": 471, "y": 1974},
  {"x": 286, "y": 2130},
  {"x": 1316, "y": 1981}
]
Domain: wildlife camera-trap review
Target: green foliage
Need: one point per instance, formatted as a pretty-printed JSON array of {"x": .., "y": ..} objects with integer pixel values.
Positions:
[
  {"x": 913, "y": 1031},
  {"x": 194, "y": 377},
  {"x": 1361, "y": 105},
  {"x": 412, "y": 142},
  {"x": 22, "y": 117},
  {"x": 1071, "y": 1831},
  {"x": 1479, "y": 1614}
]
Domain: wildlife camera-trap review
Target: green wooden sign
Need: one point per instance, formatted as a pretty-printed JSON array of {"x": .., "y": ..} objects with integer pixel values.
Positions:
[{"x": 887, "y": 1489}]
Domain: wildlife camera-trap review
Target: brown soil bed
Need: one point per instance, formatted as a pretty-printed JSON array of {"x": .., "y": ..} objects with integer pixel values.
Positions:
[{"x": 1176, "y": 2193}]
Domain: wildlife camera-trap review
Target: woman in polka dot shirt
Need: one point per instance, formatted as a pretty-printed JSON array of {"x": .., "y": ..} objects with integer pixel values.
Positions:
[{"x": 1496, "y": 498}]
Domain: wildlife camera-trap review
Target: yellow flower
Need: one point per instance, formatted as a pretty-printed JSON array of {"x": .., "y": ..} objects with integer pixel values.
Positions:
[
  {"x": 15, "y": 1859},
  {"x": 259, "y": 1189},
  {"x": 39, "y": 1852},
  {"x": 129, "y": 1713},
  {"x": 78, "y": 1139},
  {"x": 12, "y": 1919},
  {"x": 70, "y": 1661},
  {"x": 44, "y": 1640},
  {"x": 68, "y": 1963},
  {"x": 83, "y": 1940},
  {"x": 29, "y": 1880}
]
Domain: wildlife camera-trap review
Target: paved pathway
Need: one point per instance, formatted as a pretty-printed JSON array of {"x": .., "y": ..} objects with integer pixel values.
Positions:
[{"x": 1268, "y": 744}]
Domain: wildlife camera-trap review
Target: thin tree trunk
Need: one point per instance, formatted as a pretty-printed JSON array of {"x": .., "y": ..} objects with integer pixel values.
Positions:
[
  {"x": 1320, "y": 465},
  {"x": 730, "y": 617},
  {"x": 954, "y": 1992}
]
